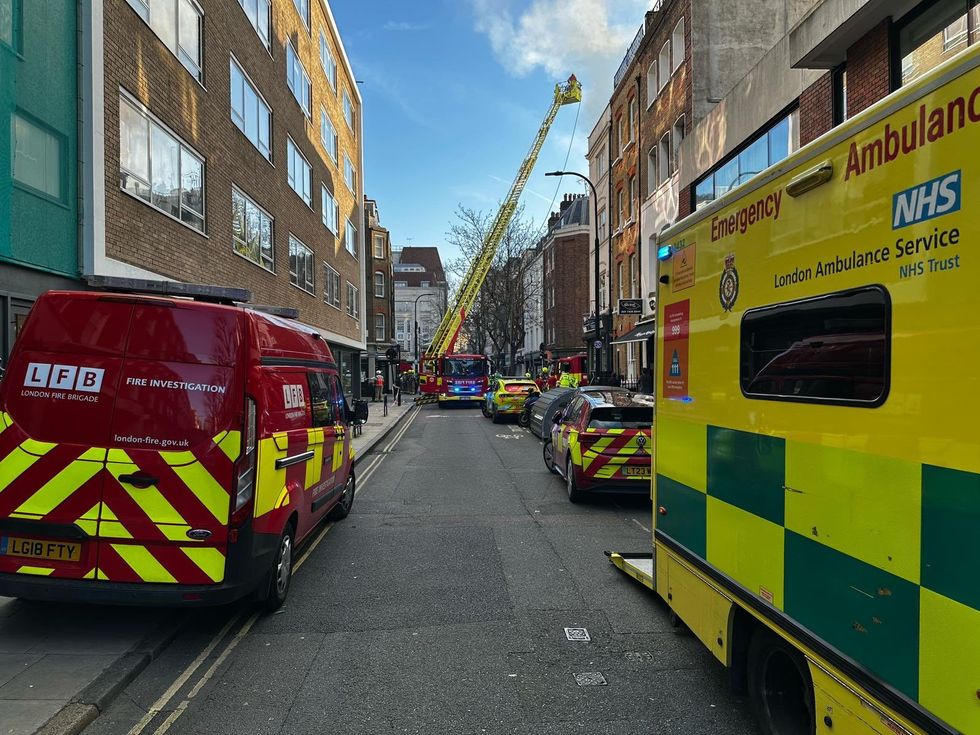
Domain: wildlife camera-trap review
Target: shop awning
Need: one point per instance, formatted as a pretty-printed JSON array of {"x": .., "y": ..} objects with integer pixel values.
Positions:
[{"x": 639, "y": 333}]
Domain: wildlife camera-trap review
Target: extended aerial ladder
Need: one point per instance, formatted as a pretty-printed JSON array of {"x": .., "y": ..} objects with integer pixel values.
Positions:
[{"x": 448, "y": 330}]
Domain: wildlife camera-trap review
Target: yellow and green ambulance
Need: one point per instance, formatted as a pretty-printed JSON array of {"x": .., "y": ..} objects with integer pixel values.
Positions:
[{"x": 816, "y": 482}]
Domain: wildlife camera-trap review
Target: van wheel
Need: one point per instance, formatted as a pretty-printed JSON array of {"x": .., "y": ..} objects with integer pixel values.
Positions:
[
  {"x": 342, "y": 509},
  {"x": 780, "y": 688},
  {"x": 282, "y": 571},
  {"x": 549, "y": 457},
  {"x": 574, "y": 494}
]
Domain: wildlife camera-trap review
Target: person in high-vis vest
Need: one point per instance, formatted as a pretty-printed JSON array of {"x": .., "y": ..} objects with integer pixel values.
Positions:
[{"x": 568, "y": 380}]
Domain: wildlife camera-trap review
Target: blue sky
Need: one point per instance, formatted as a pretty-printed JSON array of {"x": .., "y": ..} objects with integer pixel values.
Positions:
[{"x": 455, "y": 90}]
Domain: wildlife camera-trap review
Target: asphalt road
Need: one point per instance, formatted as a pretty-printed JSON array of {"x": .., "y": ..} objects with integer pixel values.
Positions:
[{"x": 440, "y": 606}]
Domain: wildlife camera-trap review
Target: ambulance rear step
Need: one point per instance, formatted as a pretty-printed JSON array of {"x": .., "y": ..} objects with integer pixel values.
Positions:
[{"x": 638, "y": 566}]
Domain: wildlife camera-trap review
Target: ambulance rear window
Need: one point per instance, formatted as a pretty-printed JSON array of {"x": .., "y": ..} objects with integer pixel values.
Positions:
[{"x": 834, "y": 349}]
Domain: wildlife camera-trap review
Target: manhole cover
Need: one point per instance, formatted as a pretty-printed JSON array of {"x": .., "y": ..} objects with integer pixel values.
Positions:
[
  {"x": 639, "y": 656},
  {"x": 577, "y": 634},
  {"x": 591, "y": 679}
]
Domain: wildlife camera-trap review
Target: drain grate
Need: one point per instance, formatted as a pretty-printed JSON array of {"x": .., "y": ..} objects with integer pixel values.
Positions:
[
  {"x": 591, "y": 679},
  {"x": 577, "y": 634},
  {"x": 639, "y": 656}
]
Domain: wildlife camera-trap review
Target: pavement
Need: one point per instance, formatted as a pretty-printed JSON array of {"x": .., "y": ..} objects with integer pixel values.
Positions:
[
  {"x": 61, "y": 664},
  {"x": 442, "y": 605}
]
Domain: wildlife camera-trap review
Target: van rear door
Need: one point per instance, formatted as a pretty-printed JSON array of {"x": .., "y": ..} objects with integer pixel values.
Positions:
[
  {"x": 57, "y": 399},
  {"x": 175, "y": 435}
]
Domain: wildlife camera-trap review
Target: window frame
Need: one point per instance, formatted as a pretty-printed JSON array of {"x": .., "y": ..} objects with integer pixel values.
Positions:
[
  {"x": 142, "y": 9},
  {"x": 310, "y": 256},
  {"x": 152, "y": 119},
  {"x": 294, "y": 62},
  {"x": 330, "y": 73},
  {"x": 377, "y": 239},
  {"x": 663, "y": 77},
  {"x": 887, "y": 350},
  {"x": 272, "y": 230},
  {"x": 677, "y": 59},
  {"x": 652, "y": 89},
  {"x": 247, "y": 80},
  {"x": 331, "y": 278},
  {"x": 376, "y": 284},
  {"x": 348, "y": 228},
  {"x": 309, "y": 171},
  {"x": 307, "y": 20},
  {"x": 379, "y": 329},
  {"x": 327, "y": 198},
  {"x": 350, "y": 116},
  {"x": 349, "y": 167},
  {"x": 333, "y": 151},
  {"x": 266, "y": 39},
  {"x": 353, "y": 301},
  {"x": 664, "y": 163}
]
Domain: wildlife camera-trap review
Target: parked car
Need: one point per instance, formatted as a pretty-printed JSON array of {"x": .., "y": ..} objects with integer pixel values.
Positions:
[
  {"x": 601, "y": 442},
  {"x": 506, "y": 396}
]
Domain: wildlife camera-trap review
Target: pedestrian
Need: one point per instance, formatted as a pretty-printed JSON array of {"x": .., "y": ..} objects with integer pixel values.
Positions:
[
  {"x": 646, "y": 381},
  {"x": 379, "y": 385}
]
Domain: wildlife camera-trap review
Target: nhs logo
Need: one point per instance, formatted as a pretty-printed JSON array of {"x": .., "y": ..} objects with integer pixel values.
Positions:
[{"x": 925, "y": 201}]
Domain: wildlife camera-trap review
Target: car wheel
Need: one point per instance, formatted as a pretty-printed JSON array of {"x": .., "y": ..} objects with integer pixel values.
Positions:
[
  {"x": 495, "y": 416},
  {"x": 574, "y": 494},
  {"x": 549, "y": 457},
  {"x": 281, "y": 573},
  {"x": 342, "y": 509},
  {"x": 483, "y": 407},
  {"x": 780, "y": 690}
]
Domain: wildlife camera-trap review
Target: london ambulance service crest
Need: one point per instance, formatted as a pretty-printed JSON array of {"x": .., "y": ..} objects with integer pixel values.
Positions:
[{"x": 728, "y": 286}]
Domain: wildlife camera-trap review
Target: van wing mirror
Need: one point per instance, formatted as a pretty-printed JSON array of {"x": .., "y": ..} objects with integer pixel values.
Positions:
[{"x": 360, "y": 412}]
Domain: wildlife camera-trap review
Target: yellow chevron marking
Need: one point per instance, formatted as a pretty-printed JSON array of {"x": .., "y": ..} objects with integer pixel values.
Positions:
[
  {"x": 89, "y": 520},
  {"x": 143, "y": 563},
  {"x": 314, "y": 468},
  {"x": 118, "y": 455},
  {"x": 175, "y": 532},
  {"x": 150, "y": 500},
  {"x": 230, "y": 442},
  {"x": 283, "y": 498},
  {"x": 352, "y": 452},
  {"x": 113, "y": 529},
  {"x": 5, "y": 420},
  {"x": 206, "y": 489},
  {"x": 208, "y": 559},
  {"x": 281, "y": 440},
  {"x": 338, "y": 453},
  {"x": 95, "y": 454},
  {"x": 36, "y": 447},
  {"x": 176, "y": 459},
  {"x": 13, "y": 465},
  {"x": 90, "y": 574},
  {"x": 56, "y": 490},
  {"x": 39, "y": 571},
  {"x": 314, "y": 436}
]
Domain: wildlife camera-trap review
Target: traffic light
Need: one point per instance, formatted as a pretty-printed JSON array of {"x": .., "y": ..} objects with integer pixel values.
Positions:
[{"x": 392, "y": 353}]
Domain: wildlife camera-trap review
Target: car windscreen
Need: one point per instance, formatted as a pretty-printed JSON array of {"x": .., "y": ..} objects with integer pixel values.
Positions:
[{"x": 621, "y": 417}]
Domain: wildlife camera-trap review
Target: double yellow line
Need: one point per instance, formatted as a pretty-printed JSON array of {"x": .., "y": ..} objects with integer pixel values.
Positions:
[{"x": 249, "y": 620}]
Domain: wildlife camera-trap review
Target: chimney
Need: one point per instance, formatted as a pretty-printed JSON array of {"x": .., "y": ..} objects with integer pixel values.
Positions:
[
  {"x": 553, "y": 219},
  {"x": 566, "y": 202}
]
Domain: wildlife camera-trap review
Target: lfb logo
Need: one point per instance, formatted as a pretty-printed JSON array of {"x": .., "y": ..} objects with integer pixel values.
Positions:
[
  {"x": 64, "y": 377},
  {"x": 293, "y": 396}
]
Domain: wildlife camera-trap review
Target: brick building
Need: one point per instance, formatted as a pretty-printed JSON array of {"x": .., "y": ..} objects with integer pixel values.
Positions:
[
  {"x": 223, "y": 145},
  {"x": 379, "y": 312},
  {"x": 565, "y": 254}
]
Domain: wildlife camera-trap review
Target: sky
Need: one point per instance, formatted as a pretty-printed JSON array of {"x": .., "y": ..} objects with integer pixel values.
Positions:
[{"x": 454, "y": 92}]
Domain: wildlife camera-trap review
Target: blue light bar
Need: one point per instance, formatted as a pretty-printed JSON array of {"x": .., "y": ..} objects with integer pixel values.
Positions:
[{"x": 664, "y": 252}]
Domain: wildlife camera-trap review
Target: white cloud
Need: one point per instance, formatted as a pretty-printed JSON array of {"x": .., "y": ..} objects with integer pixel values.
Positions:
[{"x": 400, "y": 25}]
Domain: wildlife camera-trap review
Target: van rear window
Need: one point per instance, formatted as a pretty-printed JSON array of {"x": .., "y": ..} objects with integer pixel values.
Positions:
[
  {"x": 621, "y": 417},
  {"x": 829, "y": 349}
]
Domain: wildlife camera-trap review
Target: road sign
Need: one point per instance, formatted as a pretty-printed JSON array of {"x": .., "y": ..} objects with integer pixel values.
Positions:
[
  {"x": 597, "y": 344},
  {"x": 631, "y": 306}
]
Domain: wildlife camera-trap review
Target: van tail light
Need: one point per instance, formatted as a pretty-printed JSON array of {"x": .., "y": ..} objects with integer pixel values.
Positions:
[{"x": 244, "y": 500}]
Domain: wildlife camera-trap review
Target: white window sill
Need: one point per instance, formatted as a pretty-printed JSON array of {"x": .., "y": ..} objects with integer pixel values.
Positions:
[{"x": 300, "y": 288}]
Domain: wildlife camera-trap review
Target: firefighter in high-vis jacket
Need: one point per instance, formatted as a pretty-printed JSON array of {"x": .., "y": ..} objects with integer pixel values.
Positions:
[{"x": 568, "y": 380}]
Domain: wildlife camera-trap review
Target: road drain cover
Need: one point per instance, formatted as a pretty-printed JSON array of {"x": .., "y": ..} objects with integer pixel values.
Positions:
[
  {"x": 591, "y": 679},
  {"x": 577, "y": 634}
]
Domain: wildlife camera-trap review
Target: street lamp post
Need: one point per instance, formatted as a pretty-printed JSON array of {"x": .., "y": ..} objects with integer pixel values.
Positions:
[
  {"x": 420, "y": 296},
  {"x": 597, "y": 359}
]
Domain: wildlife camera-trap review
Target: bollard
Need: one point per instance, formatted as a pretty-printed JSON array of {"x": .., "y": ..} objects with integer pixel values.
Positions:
[
  {"x": 386, "y": 405},
  {"x": 398, "y": 395}
]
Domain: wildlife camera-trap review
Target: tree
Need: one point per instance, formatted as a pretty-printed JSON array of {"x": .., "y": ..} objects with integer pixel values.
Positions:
[{"x": 501, "y": 315}]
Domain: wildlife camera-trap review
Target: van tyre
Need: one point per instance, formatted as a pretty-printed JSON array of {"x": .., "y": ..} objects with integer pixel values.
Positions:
[
  {"x": 780, "y": 688},
  {"x": 282, "y": 571},
  {"x": 342, "y": 509},
  {"x": 495, "y": 417},
  {"x": 574, "y": 494}
]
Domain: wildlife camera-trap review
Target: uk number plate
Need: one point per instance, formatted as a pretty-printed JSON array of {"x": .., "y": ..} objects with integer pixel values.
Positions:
[
  {"x": 636, "y": 471},
  {"x": 35, "y": 549}
]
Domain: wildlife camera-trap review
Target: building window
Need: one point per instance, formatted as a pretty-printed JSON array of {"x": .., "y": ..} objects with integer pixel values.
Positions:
[
  {"x": 652, "y": 169},
  {"x": 634, "y": 278},
  {"x": 331, "y": 286},
  {"x": 619, "y": 209},
  {"x": 350, "y": 175},
  {"x": 424, "y": 284},
  {"x": 177, "y": 23},
  {"x": 38, "y": 156},
  {"x": 379, "y": 247},
  {"x": 379, "y": 284},
  {"x": 663, "y": 66},
  {"x": 353, "y": 301},
  {"x": 350, "y": 238},
  {"x": 303, "y": 8},
  {"x": 348, "y": 110},
  {"x": 401, "y": 284},
  {"x": 632, "y": 198},
  {"x": 677, "y": 137},
  {"x": 839, "y": 83},
  {"x": 328, "y": 135},
  {"x": 766, "y": 149},
  {"x": 298, "y": 173},
  {"x": 327, "y": 61},
  {"x": 652, "y": 88},
  {"x": 159, "y": 168},
  {"x": 937, "y": 32},
  {"x": 622, "y": 134},
  {"x": 331, "y": 210},
  {"x": 249, "y": 111},
  {"x": 602, "y": 224},
  {"x": 677, "y": 44},
  {"x": 663, "y": 159},
  {"x": 298, "y": 80},
  {"x": 259, "y": 15},
  {"x": 300, "y": 265},
  {"x": 251, "y": 228},
  {"x": 10, "y": 23},
  {"x": 829, "y": 349},
  {"x": 619, "y": 279},
  {"x": 379, "y": 327},
  {"x": 632, "y": 118}
]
